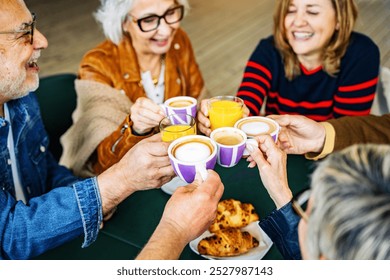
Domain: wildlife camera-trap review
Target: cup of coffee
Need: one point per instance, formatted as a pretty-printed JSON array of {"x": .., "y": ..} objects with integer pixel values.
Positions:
[
  {"x": 224, "y": 111},
  {"x": 231, "y": 144},
  {"x": 177, "y": 125},
  {"x": 180, "y": 105},
  {"x": 189, "y": 154},
  {"x": 255, "y": 126}
]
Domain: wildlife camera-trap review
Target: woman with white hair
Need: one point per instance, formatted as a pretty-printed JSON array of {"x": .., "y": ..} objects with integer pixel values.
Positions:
[{"x": 146, "y": 59}]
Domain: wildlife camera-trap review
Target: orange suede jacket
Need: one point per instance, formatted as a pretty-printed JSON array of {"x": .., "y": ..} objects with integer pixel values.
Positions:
[{"x": 117, "y": 66}]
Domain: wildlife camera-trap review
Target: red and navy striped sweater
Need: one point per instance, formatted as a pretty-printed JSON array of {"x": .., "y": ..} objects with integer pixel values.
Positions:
[{"x": 314, "y": 93}]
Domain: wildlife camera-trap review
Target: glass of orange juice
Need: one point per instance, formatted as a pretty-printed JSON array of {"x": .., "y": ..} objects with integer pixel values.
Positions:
[
  {"x": 177, "y": 125},
  {"x": 224, "y": 111}
]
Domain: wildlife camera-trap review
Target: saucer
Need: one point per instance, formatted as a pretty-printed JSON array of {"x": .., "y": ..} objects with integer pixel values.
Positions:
[{"x": 172, "y": 185}]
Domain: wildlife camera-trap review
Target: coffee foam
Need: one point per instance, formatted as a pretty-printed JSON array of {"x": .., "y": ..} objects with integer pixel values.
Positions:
[
  {"x": 180, "y": 103},
  {"x": 192, "y": 151},
  {"x": 255, "y": 128}
]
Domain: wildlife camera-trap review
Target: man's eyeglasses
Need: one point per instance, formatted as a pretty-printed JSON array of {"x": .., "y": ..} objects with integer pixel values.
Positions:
[
  {"x": 152, "y": 22},
  {"x": 27, "y": 32},
  {"x": 299, "y": 204}
]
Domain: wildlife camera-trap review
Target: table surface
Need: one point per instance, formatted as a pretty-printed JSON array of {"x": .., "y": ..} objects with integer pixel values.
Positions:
[{"x": 136, "y": 218}]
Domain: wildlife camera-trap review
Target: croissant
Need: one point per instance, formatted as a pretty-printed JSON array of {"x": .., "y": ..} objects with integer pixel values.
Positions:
[
  {"x": 227, "y": 243},
  {"x": 233, "y": 214}
]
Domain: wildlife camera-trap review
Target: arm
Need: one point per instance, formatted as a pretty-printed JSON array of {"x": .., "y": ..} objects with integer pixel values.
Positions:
[
  {"x": 66, "y": 212},
  {"x": 188, "y": 213},
  {"x": 364, "y": 129},
  {"x": 282, "y": 227},
  {"x": 49, "y": 220},
  {"x": 282, "y": 224},
  {"x": 115, "y": 146},
  {"x": 257, "y": 77},
  {"x": 358, "y": 78},
  {"x": 300, "y": 135}
]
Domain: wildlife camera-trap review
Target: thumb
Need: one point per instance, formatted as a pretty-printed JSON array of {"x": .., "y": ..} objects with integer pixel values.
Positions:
[
  {"x": 257, "y": 156},
  {"x": 282, "y": 120}
]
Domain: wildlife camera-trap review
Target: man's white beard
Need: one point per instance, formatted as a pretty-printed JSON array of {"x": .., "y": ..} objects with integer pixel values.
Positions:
[{"x": 16, "y": 87}]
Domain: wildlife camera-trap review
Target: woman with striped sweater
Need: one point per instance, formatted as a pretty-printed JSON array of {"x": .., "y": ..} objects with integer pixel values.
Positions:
[{"x": 314, "y": 64}]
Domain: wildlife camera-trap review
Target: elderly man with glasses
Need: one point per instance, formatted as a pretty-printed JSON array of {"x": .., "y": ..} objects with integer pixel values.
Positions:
[
  {"x": 146, "y": 59},
  {"x": 348, "y": 212},
  {"x": 43, "y": 205}
]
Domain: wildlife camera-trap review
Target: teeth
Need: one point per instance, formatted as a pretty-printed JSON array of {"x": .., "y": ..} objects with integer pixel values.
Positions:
[
  {"x": 32, "y": 64},
  {"x": 302, "y": 35}
]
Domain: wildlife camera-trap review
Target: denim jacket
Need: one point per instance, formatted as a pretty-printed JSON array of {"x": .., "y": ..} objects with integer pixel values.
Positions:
[
  {"x": 59, "y": 206},
  {"x": 282, "y": 227}
]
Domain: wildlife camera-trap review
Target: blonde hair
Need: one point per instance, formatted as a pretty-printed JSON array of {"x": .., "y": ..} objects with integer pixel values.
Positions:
[{"x": 346, "y": 15}]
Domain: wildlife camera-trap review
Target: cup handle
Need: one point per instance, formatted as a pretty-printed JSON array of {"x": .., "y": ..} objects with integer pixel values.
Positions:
[
  {"x": 250, "y": 142},
  {"x": 163, "y": 107},
  {"x": 201, "y": 169}
]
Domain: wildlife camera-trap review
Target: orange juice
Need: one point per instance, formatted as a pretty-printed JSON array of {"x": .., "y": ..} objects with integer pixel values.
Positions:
[
  {"x": 224, "y": 113},
  {"x": 173, "y": 132}
]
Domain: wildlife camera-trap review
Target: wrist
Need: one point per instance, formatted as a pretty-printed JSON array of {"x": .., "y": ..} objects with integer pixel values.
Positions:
[
  {"x": 113, "y": 188},
  {"x": 327, "y": 141},
  {"x": 321, "y": 139},
  {"x": 282, "y": 198}
]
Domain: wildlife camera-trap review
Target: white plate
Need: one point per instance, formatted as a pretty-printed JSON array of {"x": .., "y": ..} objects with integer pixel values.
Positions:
[
  {"x": 172, "y": 185},
  {"x": 256, "y": 253}
]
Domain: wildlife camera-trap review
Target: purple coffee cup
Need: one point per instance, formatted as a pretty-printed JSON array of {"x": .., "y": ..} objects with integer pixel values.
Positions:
[
  {"x": 231, "y": 144},
  {"x": 180, "y": 105},
  {"x": 191, "y": 154}
]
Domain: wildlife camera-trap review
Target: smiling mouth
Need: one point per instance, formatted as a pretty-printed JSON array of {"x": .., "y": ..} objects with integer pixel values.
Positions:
[
  {"x": 32, "y": 64},
  {"x": 302, "y": 35}
]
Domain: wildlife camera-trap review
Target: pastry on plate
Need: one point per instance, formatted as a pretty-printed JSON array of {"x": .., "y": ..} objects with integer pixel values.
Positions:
[
  {"x": 232, "y": 213},
  {"x": 227, "y": 242}
]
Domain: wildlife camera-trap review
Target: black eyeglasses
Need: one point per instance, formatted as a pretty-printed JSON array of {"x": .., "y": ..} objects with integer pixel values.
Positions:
[
  {"x": 299, "y": 203},
  {"x": 152, "y": 22},
  {"x": 28, "y": 32}
]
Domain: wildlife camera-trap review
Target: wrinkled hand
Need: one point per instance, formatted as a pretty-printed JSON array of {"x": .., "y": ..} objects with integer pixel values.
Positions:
[
  {"x": 191, "y": 209},
  {"x": 146, "y": 165},
  {"x": 272, "y": 166},
  {"x": 203, "y": 117},
  {"x": 145, "y": 115},
  {"x": 299, "y": 134}
]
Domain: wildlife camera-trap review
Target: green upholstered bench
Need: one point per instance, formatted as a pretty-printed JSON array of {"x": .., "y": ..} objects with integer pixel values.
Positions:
[{"x": 57, "y": 100}]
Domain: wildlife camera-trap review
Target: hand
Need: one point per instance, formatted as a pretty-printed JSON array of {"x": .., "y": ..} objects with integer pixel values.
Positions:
[
  {"x": 245, "y": 111},
  {"x": 147, "y": 165},
  {"x": 188, "y": 213},
  {"x": 272, "y": 165},
  {"x": 204, "y": 124},
  {"x": 144, "y": 166},
  {"x": 193, "y": 208},
  {"x": 145, "y": 115},
  {"x": 299, "y": 134}
]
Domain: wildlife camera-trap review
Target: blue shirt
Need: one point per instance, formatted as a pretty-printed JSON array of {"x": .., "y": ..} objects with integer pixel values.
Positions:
[
  {"x": 282, "y": 227},
  {"x": 60, "y": 206}
]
